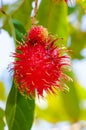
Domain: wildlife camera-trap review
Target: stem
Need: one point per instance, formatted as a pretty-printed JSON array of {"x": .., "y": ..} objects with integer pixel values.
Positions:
[{"x": 35, "y": 12}]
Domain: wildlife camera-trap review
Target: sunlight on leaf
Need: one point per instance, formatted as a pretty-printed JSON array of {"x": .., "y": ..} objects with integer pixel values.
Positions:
[{"x": 2, "y": 91}]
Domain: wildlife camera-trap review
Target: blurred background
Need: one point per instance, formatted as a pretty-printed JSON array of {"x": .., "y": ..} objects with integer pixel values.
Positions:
[{"x": 66, "y": 110}]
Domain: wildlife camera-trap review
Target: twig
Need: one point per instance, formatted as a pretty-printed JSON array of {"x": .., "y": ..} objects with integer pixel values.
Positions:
[
  {"x": 2, "y": 8},
  {"x": 35, "y": 12}
]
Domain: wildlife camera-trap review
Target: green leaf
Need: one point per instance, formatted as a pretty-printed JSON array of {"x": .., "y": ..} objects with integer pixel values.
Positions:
[
  {"x": 82, "y": 97},
  {"x": 71, "y": 10},
  {"x": 78, "y": 42},
  {"x": 19, "y": 26},
  {"x": 2, "y": 124},
  {"x": 54, "y": 111},
  {"x": 63, "y": 106},
  {"x": 52, "y": 14},
  {"x": 23, "y": 14},
  {"x": 83, "y": 3},
  {"x": 12, "y": 8},
  {"x": 3, "y": 17},
  {"x": 9, "y": 10},
  {"x": 19, "y": 30},
  {"x": 71, "y": 101},
  {"x": 76, "y": 8},
  {"x": 2, "y": 91},
  {"x": 20, "y": 10},
  {"x": 19, "y": 110}
]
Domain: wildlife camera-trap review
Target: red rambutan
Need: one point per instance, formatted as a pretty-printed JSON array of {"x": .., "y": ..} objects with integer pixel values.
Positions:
[
  {"x": 38, "y": 34},
  {"x": 39, "y": 66}
]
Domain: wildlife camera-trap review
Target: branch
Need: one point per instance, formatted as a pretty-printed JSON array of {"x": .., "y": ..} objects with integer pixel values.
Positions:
[{"x": 35, "y": 12}]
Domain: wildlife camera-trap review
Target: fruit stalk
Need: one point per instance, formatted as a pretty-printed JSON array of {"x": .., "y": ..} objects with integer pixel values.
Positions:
[{"x": 35, "y": 12}]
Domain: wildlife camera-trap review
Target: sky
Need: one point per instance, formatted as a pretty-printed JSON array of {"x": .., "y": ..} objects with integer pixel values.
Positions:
[
  {"x": 8, "y": 1},
  {"x": 6, "y": 47},
  {"x": 79, "y": 68}
]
